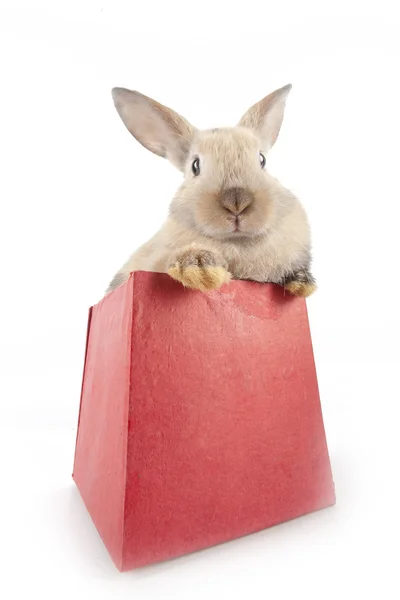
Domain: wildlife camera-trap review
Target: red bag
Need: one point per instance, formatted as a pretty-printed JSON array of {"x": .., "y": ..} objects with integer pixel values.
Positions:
[{"x": 200, "y": 418}]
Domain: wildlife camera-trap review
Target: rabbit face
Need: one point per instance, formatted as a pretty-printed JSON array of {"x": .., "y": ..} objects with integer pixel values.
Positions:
[{"x": 227, "y": 191}]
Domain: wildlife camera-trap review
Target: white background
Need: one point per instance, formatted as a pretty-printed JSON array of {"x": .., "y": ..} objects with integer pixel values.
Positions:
[{"x": 78, "y": 194}]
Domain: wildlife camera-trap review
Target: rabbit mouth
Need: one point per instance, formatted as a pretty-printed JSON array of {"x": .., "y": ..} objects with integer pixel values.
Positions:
[{"x": 237, "y": 224}]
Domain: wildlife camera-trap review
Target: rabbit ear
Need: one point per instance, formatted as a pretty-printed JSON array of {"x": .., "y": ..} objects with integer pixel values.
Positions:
[
  {"x": 265, "y": 117},
  {"x": 155, "y": 126}
]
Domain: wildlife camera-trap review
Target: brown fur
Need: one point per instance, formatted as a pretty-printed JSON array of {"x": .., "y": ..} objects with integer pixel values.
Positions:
[
  {"x": 200, "y": 278},
  {"x": 299, "y": 288},
  {"x": 199, "y": 269},
  {"x": 233, "y": 219}
]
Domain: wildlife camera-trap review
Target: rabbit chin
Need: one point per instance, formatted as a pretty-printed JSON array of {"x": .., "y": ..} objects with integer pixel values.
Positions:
[{"x": 230, "y": 233}]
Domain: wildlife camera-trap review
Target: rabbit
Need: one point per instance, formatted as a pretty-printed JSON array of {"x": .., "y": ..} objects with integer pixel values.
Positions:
[{"x": 230, "y": 219}]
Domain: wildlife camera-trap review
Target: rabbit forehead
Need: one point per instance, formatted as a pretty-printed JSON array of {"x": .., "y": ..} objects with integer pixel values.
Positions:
[
  {"x": 228, "y": 157},
  {"x": 228, "y": 142}
]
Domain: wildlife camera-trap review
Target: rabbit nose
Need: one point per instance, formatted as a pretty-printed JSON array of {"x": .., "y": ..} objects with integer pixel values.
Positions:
[{"x": 236, "y": 199}]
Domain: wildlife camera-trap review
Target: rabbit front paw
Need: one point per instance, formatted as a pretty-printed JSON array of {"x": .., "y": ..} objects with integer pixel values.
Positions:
[
  {"x": 199, "y": 269},
  {"x": 301, "y": 283}
]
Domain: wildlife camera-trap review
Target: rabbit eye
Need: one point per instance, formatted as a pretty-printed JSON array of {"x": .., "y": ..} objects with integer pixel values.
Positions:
[
  {"x": 196, "y": 167},
  {"x": 262, "y": 160}
]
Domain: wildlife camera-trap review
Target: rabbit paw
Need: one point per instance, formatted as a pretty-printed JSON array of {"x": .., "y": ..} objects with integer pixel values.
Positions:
[
  {"x": 301, "y": 284},
  {"x": 199, "y": 269},
  {"x": 300, "y": 288}
]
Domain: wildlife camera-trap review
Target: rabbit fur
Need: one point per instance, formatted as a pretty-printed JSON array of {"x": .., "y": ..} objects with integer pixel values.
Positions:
[{"x": 230, "y": 218}]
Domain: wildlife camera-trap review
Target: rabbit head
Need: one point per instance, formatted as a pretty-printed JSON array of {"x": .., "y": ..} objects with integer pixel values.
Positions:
[{"x": 227, "y": 192}]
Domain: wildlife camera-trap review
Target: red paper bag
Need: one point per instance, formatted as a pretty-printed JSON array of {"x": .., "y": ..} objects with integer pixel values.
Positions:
[{"x": 200, "y": 419}]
